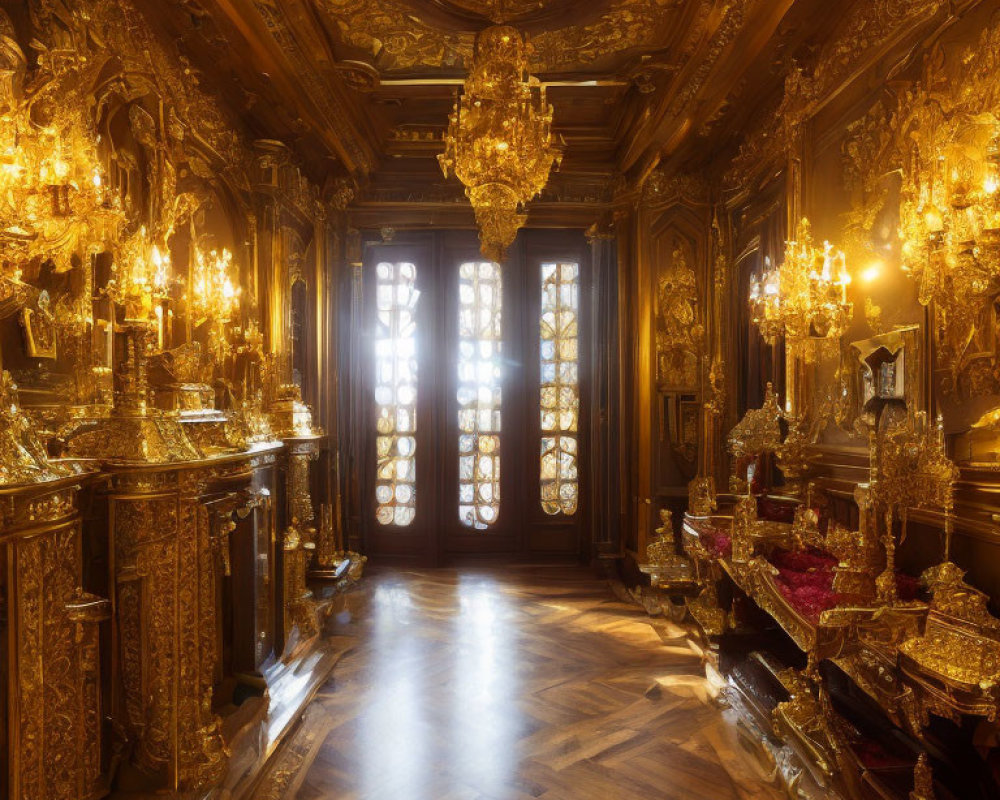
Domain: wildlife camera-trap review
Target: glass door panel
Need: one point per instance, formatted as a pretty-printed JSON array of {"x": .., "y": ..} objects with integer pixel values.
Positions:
[
  {"x": 480, "y": 392},
  {"x": 399, "y": 367},
  {"x": 474, "y": 375}
]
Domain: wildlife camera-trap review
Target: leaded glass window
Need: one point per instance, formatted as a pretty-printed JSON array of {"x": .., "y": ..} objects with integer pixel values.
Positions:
[
  {"x": 480, "y": 375},
  {"x": 560, "y": 387},
  {"x": 396, "y": 393}
]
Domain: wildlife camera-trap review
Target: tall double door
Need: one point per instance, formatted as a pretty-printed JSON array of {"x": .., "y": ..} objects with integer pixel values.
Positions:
[{"x": 475, "y": 384}]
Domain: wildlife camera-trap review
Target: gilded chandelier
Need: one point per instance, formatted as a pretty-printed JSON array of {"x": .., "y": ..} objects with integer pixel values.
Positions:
[
  {"x": 499, "y": 141},
  {"x": 950, "y": 215},
  {"x": 53, "y": 200},
  {"x": 804, "y": 298}
]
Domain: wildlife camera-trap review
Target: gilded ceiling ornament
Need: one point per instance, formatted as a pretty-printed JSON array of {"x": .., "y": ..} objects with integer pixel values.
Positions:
[
  {"x": 398, "y": 37},
  {"x": 499, "y": 141},
  {"x": 867, "y": 26},
  {"x": 501, "y": 11},
  {"x": 395, "y": 36},
  {"x": 625, "y": 25}
]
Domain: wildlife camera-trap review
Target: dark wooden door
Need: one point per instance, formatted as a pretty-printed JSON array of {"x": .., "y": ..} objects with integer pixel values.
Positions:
[{"x": 476, "y": 420}]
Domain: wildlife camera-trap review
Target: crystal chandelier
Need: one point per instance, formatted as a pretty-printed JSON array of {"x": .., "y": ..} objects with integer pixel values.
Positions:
[
  {"x": 499, "y": 141},
  {"x": 806, "y": 297},
  {"x": 950, "y": 218}
]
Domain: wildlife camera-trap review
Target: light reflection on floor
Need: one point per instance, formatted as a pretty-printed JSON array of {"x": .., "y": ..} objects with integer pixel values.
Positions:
[
  {"x": 486, "y": 682},
  {"x": 530, "y": 682},
  {"x": 395, "y": 733}
]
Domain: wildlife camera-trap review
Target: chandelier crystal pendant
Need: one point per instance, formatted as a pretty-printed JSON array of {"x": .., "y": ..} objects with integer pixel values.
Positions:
[
  {"x": 499, "y": 141},
  {"x": 806, "y": 297}
]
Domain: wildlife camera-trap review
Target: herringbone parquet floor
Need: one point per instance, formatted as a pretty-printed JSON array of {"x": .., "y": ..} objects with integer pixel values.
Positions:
[{"x": 511, "y": 683}]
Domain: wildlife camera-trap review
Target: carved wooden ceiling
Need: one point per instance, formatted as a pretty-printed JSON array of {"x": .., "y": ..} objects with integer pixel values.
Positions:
[{"x": 362, "y": 88}]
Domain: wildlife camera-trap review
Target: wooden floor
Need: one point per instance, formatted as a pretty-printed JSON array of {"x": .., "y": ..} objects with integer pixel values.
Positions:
[{"x": 512, "y": 683}]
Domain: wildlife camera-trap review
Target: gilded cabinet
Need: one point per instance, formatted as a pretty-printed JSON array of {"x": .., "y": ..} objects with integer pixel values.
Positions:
[
  {"x": 185, "y": 632},
  {"x": 52, "y": 706}
]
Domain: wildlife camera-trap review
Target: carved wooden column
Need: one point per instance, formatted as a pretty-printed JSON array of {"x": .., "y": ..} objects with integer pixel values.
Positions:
[
  {"x": 302, "y": 451},
  {"x": 49, "y": 662},
  {"x": 299, "y": 537}
]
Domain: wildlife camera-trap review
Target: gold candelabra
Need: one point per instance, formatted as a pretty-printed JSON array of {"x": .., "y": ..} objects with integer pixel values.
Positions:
[
  {"x": 806, "y": 296},
  {"x": 499, "y": 141},
  {"x": 214, "y": 297},
  {"x": 142, "y": 277},
  {"x": 214, "y": 294}
]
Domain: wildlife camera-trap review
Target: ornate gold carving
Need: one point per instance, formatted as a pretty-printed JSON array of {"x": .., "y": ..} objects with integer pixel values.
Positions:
[
  {"x": 805, "y": 718},
  {"x": 134, "y": 432},
  {"x": 166, "y": 588},
  {"x": 956, "y": 662},
  {"x": 680, "y": 331},
  {"x": 299, "y": 498},
  {"x": 662, "y": 547},
  {"x": 54, "y": 732},
  {"x": 663, "y": 188},
  {"x": 289, "y": 416},
  {"x": 857, "y": 552},
  {"x": 39, "y": 325},
  {"x": 866, "y": 30},
  {"x": 327, "y": 543},
  {"x": 667, "y": 569},
  {"x": 300, "y": 611},
  {"x": 400, "y": 40},
  {"x": 23, "y": 457},
  {"x": 399, "y": 36},
  {"x": 760, "y": 430},
  {"x": 706, "y": 611},
  {"x": 943, "y": 135},
  {"x": 793, "y": 454},
  {"x": 701, "y": 496}
]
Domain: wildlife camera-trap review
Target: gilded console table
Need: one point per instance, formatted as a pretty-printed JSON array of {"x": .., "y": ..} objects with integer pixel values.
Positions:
[
  {"x": 193, "y": 609},
  {"x": 50, "y": 737}
]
